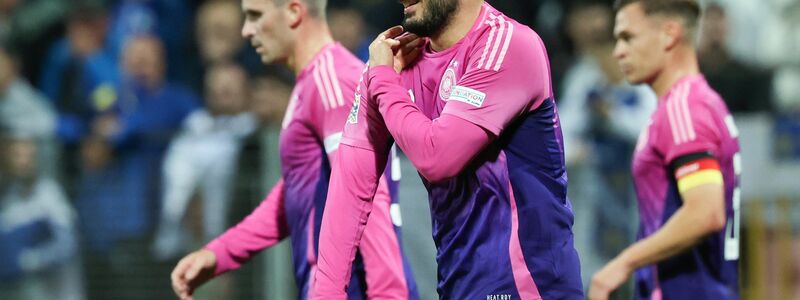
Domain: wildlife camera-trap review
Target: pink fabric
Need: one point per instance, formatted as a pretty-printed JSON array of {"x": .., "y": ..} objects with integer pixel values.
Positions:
[
  {"x": 526, "y": 287},
  {"x": 690, "y": 124},
  {"x": 347, "y": 209},
  {"x": 265, "y": 227},
  {"x": 498, "y": 80},
  {"x": 438, "y": 148},
  {"x": 319, "y": 106},
  {"x": 492, "y": 65},
  {"x": 380, "y": 251},
  {"x": 690, "y": 118}
]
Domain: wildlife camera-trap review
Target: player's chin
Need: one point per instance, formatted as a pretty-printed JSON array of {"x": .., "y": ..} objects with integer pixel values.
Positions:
[
  {"x": 412, "y": 19},
  {"x": 634, "y": 79},
  {"x": 266, "y": 59}
]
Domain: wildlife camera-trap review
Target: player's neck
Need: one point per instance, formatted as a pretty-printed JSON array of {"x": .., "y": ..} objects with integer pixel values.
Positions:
[
  {"x": 680, "y": 64},
  {"x": 463, "y": 19},
  {"x": 310, "y": 40}
]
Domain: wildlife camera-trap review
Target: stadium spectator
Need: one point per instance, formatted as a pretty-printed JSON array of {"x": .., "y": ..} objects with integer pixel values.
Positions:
[
  {"x": 202, "y": 159},
  {"x": 348, "y": 27},
  {"x": 269, "y": 97},
  {"x": 79, "y": 76},
  {"x": 744, "y": 88},
  {"x": 118, "y": 198},
  {"x": 38, "y": 241},
  {"x": 218, "y": 39},
  {"x": 25, "y": 111}
]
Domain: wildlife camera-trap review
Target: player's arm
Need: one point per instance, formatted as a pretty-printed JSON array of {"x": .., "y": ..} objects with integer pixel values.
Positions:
[
  {"x": 354, "y": 181},
  {"x": 438, "y": 148},
  {"x": 701, "y": 188},
  {"x": 263, "y": 228},
  {"x": 360, "y": 161},
  {"x": 487, "y": 98},
  {"x": 379, "y": 246}
]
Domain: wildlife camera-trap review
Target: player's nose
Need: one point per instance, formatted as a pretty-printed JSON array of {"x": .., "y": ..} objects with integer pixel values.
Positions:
[
  {"x": 248, "y": 30},
  {"x": 619, "y": 51}
]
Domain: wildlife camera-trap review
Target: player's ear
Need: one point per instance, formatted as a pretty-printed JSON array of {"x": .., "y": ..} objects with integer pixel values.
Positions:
[
  {"x": 672, "y": 33},
  {"x": 295, "y": 11}
]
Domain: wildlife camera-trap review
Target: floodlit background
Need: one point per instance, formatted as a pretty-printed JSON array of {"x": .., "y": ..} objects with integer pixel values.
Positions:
[{"x": 109, "y": 172}]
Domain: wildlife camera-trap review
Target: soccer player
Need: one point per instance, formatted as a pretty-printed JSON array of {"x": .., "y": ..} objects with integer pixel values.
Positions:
[
  {"x": 686, "y": 166},
  {"x": 295, "y": 33},
  {"x": 475, "y": 114}
]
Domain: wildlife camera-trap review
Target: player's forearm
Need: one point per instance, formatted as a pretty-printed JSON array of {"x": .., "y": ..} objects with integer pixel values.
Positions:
[
  {"x": 438, "y": 148},
  {"x": 354, "y": 181},
  {"x": 682, "y": 231},
  {"x": 263, "y": 228}
]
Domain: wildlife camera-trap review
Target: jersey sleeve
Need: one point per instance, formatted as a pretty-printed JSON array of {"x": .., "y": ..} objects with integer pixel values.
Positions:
[
  {"x": 263, "y": 228},
  {"x": 364, "y": 127},
  {"x": 689, "y": 128},
  {"x": 354, "y": 182},
  {"x": 507, "y": 75},
  {"x": 330, "y": 97}
]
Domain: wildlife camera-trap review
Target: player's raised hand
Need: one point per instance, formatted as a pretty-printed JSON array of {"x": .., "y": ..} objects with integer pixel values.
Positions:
[
  {"x": 382, "y": 49},
  {"x": 608, "y": 279},
  {"x": 407, "y": 50},
  {"x": 192, "y": 271}
]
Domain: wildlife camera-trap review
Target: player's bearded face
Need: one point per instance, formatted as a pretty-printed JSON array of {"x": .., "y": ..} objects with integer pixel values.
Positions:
[{"x": 427, "y": 17}]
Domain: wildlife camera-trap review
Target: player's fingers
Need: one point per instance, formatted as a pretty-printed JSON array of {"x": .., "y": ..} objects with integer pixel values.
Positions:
[
  {"x": 392, "y": 43},
  {"x": 411, "y": 46},
  {"x": 193, "y": 270},
  {"x": 596, "y": 292},
  {"x": 406, "y": 38},
  {"x": 412, "y": 54},
  {"x": 176, "y": 276},
  {"x": 392, "y": 32},
  {"x": 180, "y": 268}
]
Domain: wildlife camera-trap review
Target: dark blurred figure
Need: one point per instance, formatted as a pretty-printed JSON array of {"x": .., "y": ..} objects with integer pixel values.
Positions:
[
  {"x": 269, "y": 97},
  {"x": 25, "y": 111},
  {"x": 120, "y": 185},
  {"x": 744, "y": 88},
  {"x": 38, "y": 247},
  {"x": 79, "y": 77},
  {"x": 219, "y": 41},
  {"x": 167, "y": 19},
  {"x": 218, "y": 25},
  {"x": 348, "y": 27},
  {"x": 6, "y": 10},
  {"x": 202, "y": 160},
  {"x": 29, "y": 27}
]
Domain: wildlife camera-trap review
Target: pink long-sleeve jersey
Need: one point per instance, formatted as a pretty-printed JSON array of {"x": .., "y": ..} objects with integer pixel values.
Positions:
[
  {"x": 502, "y": 223},
  {"x": 312, "y": 128}
]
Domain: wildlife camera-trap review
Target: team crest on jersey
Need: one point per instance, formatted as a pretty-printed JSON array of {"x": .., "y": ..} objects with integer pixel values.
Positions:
[{"x": 448, "y": 81}]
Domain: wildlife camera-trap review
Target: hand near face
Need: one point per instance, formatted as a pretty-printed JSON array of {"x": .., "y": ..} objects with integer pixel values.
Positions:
[{"x": 395, "y": 48}]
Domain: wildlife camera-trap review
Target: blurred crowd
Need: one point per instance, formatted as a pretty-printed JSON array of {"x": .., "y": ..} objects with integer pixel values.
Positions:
[{"x": 118, "y": 118}]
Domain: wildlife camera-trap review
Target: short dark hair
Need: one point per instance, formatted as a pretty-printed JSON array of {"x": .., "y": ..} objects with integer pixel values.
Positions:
[
  {"x": 688, "y": 10},
  {"x": 315, "y": 7}
]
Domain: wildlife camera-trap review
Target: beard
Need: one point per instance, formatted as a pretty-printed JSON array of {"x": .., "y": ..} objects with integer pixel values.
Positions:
[{"x": 436, "y": 16}]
